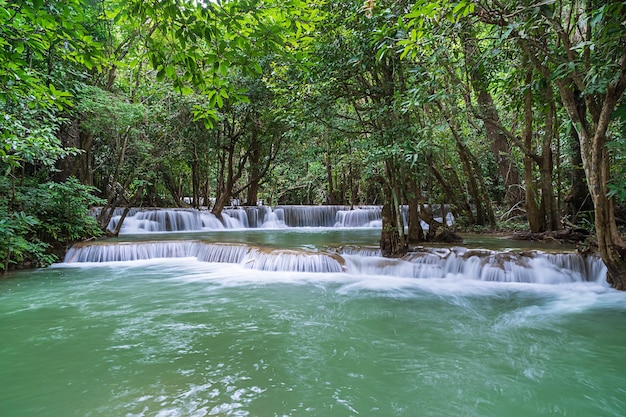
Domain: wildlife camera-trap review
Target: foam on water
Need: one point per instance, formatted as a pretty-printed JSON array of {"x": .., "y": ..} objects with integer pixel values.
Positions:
[
  {"x": 187, "y": 337},
  {"x": 455, "y": 264}
]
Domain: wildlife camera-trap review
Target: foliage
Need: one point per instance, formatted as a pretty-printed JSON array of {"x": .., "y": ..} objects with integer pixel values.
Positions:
[
  {"x": 15, "y": 245},
  {"x": 617, "y": 149},
  {"x": 29, "y": 136},
  {"x": 299, "y": 102},
  {"x": 62, "y": 211},
  {"x": 42, "y": 217},
  {"x": 33, "y": 34}
]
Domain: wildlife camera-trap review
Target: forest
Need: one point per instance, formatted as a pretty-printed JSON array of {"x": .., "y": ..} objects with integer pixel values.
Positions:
[{"x": 511, "y": 112}]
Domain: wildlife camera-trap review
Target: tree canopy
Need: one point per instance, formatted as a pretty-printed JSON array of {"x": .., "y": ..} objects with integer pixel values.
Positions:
[{"x": 510, "y": 112}]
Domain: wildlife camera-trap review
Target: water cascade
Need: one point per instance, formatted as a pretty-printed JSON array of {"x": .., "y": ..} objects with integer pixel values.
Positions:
[
  {"x": 292, "y": 311},
  {"x": 179, "y": 220},
  {"x": 454, "y": 263},
  {"x": 248, "y": 257}
]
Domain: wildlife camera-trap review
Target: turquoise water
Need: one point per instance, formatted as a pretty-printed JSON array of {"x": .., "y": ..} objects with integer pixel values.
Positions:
[{"x": 180, "y": 337}]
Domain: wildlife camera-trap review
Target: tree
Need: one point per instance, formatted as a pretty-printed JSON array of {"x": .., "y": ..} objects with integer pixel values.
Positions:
[
  {"x": 42, "y": 43},
  {"x": 247, "y": 139},
  {"x": 487, "y": 111},
  {"x": 580, "y": 47}
]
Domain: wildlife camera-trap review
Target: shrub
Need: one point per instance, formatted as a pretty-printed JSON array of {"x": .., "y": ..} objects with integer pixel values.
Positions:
[{"x": 42, "y": 218}]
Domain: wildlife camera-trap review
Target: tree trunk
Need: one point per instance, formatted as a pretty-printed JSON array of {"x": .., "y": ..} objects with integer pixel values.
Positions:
[
  {"x": 610, "y": 244},
  {"x": 253, "y": 194},
  {"x": 392, "y": 238},
  {"x": 223, "y": 199},
  {"x": 331, "y": 185},
  {"x": 205, "y": 194},
  {"x": 415, "y": 232},
  {"x": 354, "y": 186},
  {"x": 596, "y": 164},
  {"x": 535, "y": 219},
  {"x": 391, "y": 243},
  {"x": 253, "y": 189},
  {"x": 489, "y": 114},
  {"x": 195, "y": 182},
  {"x": 578, "y": 199},
  {"x": 476, "y": 184},
  {"x": 220, "y": 202},
  {"x": 449, "y": 186},
  {"x": 501, "y": 149},
  {"x": 533, "y": 214},
  {"x": 546, "y": 167},
  {"x": 612, "y": 248}
]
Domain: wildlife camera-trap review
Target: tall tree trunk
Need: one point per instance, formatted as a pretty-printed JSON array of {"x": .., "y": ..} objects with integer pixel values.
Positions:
[
  {"x": 415, "y": 232},
  {"x": 255, "y": 178},
  {"x": 392, "y": 238},
  {"x": 451, "y": 184},
  {"x": 195, "y": 182},
  {"x": 476, "y": 184},
  {"x": 535, "y": 218},
  {"x": 578, "y": 199},
  {"x": 462, "y": 202},
  {"x": 225, "y": 182},
  {"x": 546, "y": 169},
  {"x": 331, "y": 184},
  {"x": 205, "y": 194},
  {"x": 596, "y": 163},
  {"x": 392, "y": 243},
  {"x": 488, "y": 113},
  {"x": 610, "y": 244},
  {"x": 536, "y": 222},
  {"x": 354, "y": 186}
]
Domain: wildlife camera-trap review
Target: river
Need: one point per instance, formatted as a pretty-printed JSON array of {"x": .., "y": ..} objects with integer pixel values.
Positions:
[{"x": 182, "y": 336}]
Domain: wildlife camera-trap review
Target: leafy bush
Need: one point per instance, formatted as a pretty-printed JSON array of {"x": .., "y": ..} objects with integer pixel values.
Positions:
[
  {"x": 15, "y": 247},
  {"x": 41, "y": 218},
  {"x": 62, "y": 211}
]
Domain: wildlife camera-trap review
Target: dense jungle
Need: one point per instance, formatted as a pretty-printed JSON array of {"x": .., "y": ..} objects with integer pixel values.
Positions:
[{"x": 511, "y": 113}]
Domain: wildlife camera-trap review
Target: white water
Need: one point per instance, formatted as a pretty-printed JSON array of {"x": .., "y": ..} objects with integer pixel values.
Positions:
[
  {"x": 141, "y": 221},
  {"x": 451, "y": 264},
  {"x": 288, "y": 322}
]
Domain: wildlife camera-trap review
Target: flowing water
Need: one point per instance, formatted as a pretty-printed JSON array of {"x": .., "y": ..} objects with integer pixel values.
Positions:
[{"x": 309, "y": 323}]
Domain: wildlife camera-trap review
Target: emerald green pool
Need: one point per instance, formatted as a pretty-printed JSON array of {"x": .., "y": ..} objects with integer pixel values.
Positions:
[{"x": 179, "y": 337}]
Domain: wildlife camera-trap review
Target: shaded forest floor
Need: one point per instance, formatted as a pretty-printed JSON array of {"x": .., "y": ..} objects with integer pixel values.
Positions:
[{"x": 580, "y": 235}]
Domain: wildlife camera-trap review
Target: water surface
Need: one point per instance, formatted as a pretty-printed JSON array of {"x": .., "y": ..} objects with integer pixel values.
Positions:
[{"x": 181, "y": 337}]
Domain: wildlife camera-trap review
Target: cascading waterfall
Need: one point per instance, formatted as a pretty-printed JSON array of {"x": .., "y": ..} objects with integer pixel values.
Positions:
[
  {"x": 359, "y": 217},
  {"x": 141, "y": 221},
  {"x": 426, "y": 263},
  {"x": 453, "y": 263},
  {"x": 294, "y": 261},
  {"x": 462, "y": 263},
  {"x": 249, "y": 257}
]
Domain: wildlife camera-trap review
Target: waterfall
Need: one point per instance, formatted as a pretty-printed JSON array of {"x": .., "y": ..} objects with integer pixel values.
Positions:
[
  {"x": 288, "y": 260},
  {"x": 310, "y": 216},
  {"x": 140, "y": 221},
  {"x": 235, "y": 218},
  {"x": 249, "y": 257},
  {"x": 164, "y": 220},
  {"x": 274, "y": 219},
  {"x": 359, "y": 217},
  {"x": 485, "y": 265},
  {"x": 128, "y": 251},
  {"x": 426, "y": 263}
]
